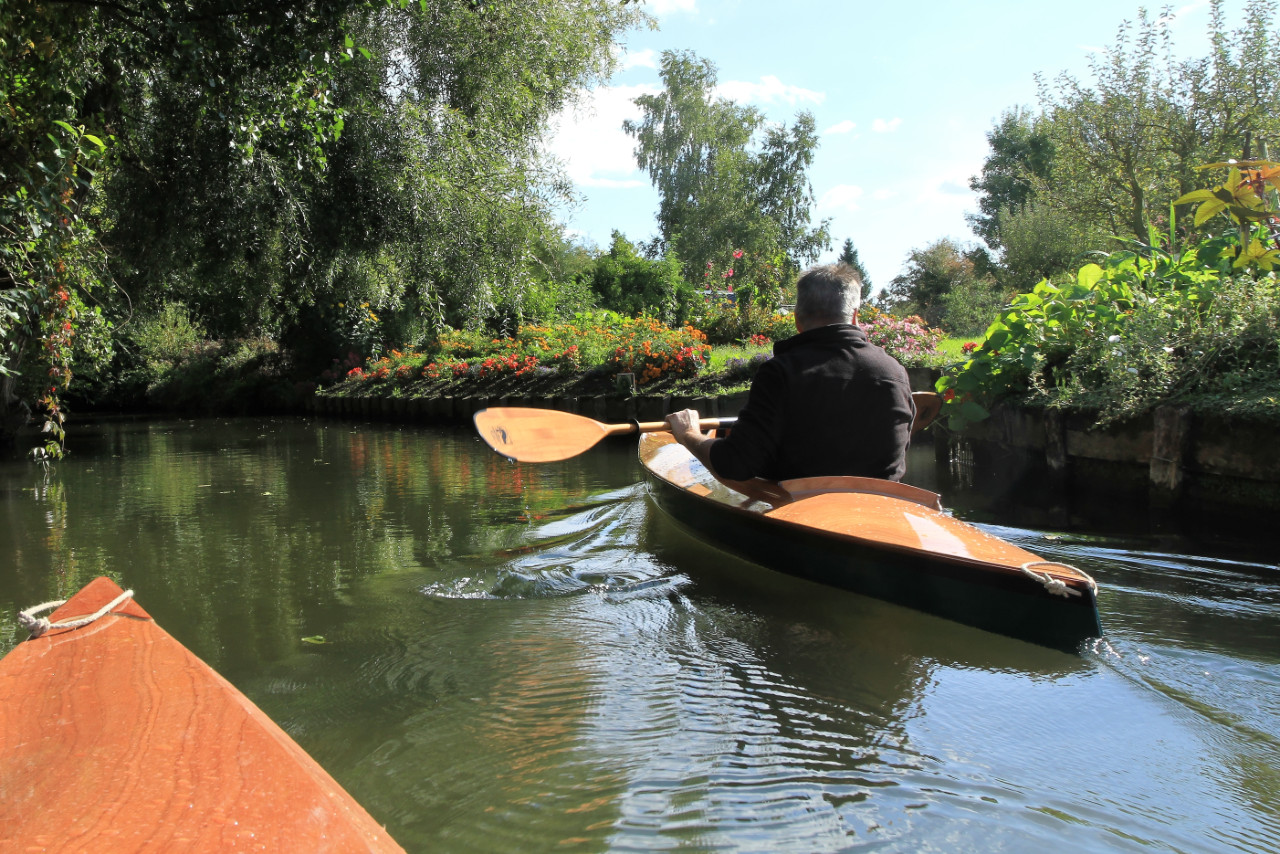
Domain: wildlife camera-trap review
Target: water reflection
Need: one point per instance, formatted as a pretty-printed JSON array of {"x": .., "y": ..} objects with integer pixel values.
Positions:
[{"x": 525, "y": 658}]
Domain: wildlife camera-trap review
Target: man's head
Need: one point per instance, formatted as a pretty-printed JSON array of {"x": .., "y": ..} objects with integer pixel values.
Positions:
[{"x": 830, "y": 293}]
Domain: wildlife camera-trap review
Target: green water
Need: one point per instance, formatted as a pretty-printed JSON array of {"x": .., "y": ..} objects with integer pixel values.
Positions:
[{"x": 534, "y": 658}]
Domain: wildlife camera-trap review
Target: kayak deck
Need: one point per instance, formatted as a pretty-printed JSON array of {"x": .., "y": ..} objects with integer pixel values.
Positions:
[
  {"x": 883, "y": 539},
  {"x": 116, "y": 737}
]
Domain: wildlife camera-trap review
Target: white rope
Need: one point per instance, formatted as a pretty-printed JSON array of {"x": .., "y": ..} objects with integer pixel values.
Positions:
[
  {"x": 1057, "y": 586},
  {"x": 39, "y": 625}
]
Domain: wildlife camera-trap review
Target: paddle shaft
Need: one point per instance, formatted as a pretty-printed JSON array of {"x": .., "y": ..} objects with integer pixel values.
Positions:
[{"x": 663, "y": 427}]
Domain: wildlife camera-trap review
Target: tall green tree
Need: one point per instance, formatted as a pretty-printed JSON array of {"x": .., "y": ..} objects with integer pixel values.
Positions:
[
  {"x": 1021, "y": 155},
  {"x": 849, "y": 255},
  {"x": 1106, "y": 156},
  {"x": 429, "y": 206},
  {"x": 1130, "y": 143},
  {"x": 725, "y": 180}
]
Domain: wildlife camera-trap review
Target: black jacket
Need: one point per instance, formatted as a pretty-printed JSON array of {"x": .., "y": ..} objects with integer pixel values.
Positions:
[{"x": 828, "y": 403}]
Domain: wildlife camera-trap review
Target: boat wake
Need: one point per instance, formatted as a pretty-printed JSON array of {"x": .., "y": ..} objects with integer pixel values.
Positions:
[{"x": 568, "y": 553}]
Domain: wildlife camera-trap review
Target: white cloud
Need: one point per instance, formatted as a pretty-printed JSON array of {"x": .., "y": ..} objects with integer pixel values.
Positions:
[
  {"x": 885, "y": 126},
  {"x": 883, "y": 194},
  {"x": 840, "y": 197},
  {"x": 658, "y": 8},
  {"x": 588, "y": 138},
  {"x": 840, "y": 127},
  {"x": 954, "y": 188},
  {"x": 767, "y": 91},
  {"x": 642, "y": 59}
]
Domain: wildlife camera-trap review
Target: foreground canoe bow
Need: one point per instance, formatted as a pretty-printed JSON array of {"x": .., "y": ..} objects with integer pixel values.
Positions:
[
  {"x": 883, "y": 539},
  {"x": 115, "y": 737}
]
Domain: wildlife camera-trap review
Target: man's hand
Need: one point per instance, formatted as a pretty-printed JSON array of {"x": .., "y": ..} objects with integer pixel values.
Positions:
[{"x": 685, "y": 429}]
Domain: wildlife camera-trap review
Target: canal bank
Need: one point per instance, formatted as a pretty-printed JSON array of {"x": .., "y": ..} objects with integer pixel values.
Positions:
[{"x": 1170, "y": 457}]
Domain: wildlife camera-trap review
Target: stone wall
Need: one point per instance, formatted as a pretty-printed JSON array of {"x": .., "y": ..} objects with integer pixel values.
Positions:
[{"x": 1175, "y": 451}]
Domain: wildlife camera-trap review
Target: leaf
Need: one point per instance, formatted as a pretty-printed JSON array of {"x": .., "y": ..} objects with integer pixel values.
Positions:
[
  {"x": 1194, "y": 196},
  {"x": 971, "y": 411},
  {"x": 1207, "y": 210},
  {"x": 1089, "y": 275},
  {"x": 102, "y": 146},
  {"x": 997, "y": 339},
  {"x": 315, "y": 639},
  {"x": 68, "y": 128}
]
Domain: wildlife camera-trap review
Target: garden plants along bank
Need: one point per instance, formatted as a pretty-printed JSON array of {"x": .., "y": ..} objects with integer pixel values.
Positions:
[
  {"x": 1185, "y": 318},
  {"x": 588, "y": 355}
]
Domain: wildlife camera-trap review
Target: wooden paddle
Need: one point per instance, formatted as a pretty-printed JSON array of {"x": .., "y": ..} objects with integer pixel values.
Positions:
[
  {"x": 928, "y": 405},
  {"x": 530, "y": 435}
]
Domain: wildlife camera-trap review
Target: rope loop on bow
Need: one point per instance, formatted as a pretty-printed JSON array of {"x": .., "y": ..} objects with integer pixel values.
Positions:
[
  {"x": 37, "y": 626},
  {"x": 1057, "y": 586}
]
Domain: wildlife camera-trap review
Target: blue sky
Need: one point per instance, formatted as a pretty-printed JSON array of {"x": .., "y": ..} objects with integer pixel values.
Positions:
[{"x": 903, "y": 95}]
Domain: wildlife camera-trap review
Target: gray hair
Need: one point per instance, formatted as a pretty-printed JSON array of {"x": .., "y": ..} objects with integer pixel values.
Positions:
[{"x": 828, "y": 294}]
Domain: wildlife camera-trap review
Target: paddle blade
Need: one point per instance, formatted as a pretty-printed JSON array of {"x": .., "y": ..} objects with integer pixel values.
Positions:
[{"x": 537, "y": 435}]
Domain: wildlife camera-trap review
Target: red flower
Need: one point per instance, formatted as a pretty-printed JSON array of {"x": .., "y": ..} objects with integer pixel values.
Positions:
[
  {"x": 737, "y": 253},
  {"x": 949, "y": 395}
]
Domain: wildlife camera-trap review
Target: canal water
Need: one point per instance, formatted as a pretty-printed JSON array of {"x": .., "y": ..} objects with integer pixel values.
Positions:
[{"x": 498, "y": 658}]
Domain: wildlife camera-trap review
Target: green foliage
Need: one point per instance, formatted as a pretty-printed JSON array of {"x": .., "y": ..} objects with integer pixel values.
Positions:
[
  {"x": 626, "y": 283},
  {"x": 1021, "y": 154},
  {"x": 968, "y": 307},
  {"x": 274, "y": 167},
  {"x": 726, "y": 323},
  {"x": 1041, "y": 242},
  {"x": 1106, "y": 156},
  {"x": 167, "y": 361},
  {"x": 849, "y": 255},
  {"x": 932, "y": 274},
  {"x": 1138, "y": 329},
  {"x": 725, "y": 179},
  {"x": 1226, "y": 351}
]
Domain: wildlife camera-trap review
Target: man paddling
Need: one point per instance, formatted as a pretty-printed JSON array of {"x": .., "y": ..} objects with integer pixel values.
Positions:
[{"x": 828, "y": 403}]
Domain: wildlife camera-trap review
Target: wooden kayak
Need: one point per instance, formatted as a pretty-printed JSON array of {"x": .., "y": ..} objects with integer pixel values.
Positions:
[
  {"x": 115, "y": 737},
  {"x": 882, "y": 539}
]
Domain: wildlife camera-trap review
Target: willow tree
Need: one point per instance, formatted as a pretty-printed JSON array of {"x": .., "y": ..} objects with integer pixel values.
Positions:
[
  {"x": 428, "y": 204},
  {"x": 80, "y": 83},
  {"x": 266, "y": 163}
]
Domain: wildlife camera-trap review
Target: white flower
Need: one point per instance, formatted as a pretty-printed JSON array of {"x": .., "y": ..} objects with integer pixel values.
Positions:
[
  {"x": 1133, "y": 371},
  {"x": 1169, "y": 350},
  {"x": 1114, "y": 339}
]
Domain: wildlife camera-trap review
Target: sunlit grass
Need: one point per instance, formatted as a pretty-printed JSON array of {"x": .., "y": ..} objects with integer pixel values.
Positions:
[{"x": 952, "y": 349}]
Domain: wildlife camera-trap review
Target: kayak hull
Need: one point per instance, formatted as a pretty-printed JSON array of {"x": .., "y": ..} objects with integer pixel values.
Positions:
[
  {"x": 116, "y": 737},
  {"x": 883, "y": 546}
]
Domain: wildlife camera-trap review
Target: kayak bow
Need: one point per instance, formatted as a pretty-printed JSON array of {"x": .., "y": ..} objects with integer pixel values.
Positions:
[{"x": 116, "y": 737}]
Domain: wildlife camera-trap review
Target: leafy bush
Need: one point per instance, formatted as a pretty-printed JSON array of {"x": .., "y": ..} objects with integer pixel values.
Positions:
[
  {"x": 726, "y": 322},
  {"x": 626, "y": 283},
  {"x": 1145, "y": 326}
]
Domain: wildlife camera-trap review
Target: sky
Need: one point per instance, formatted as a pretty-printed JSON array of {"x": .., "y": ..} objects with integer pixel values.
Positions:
[{"x": 903, "y": 97}]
